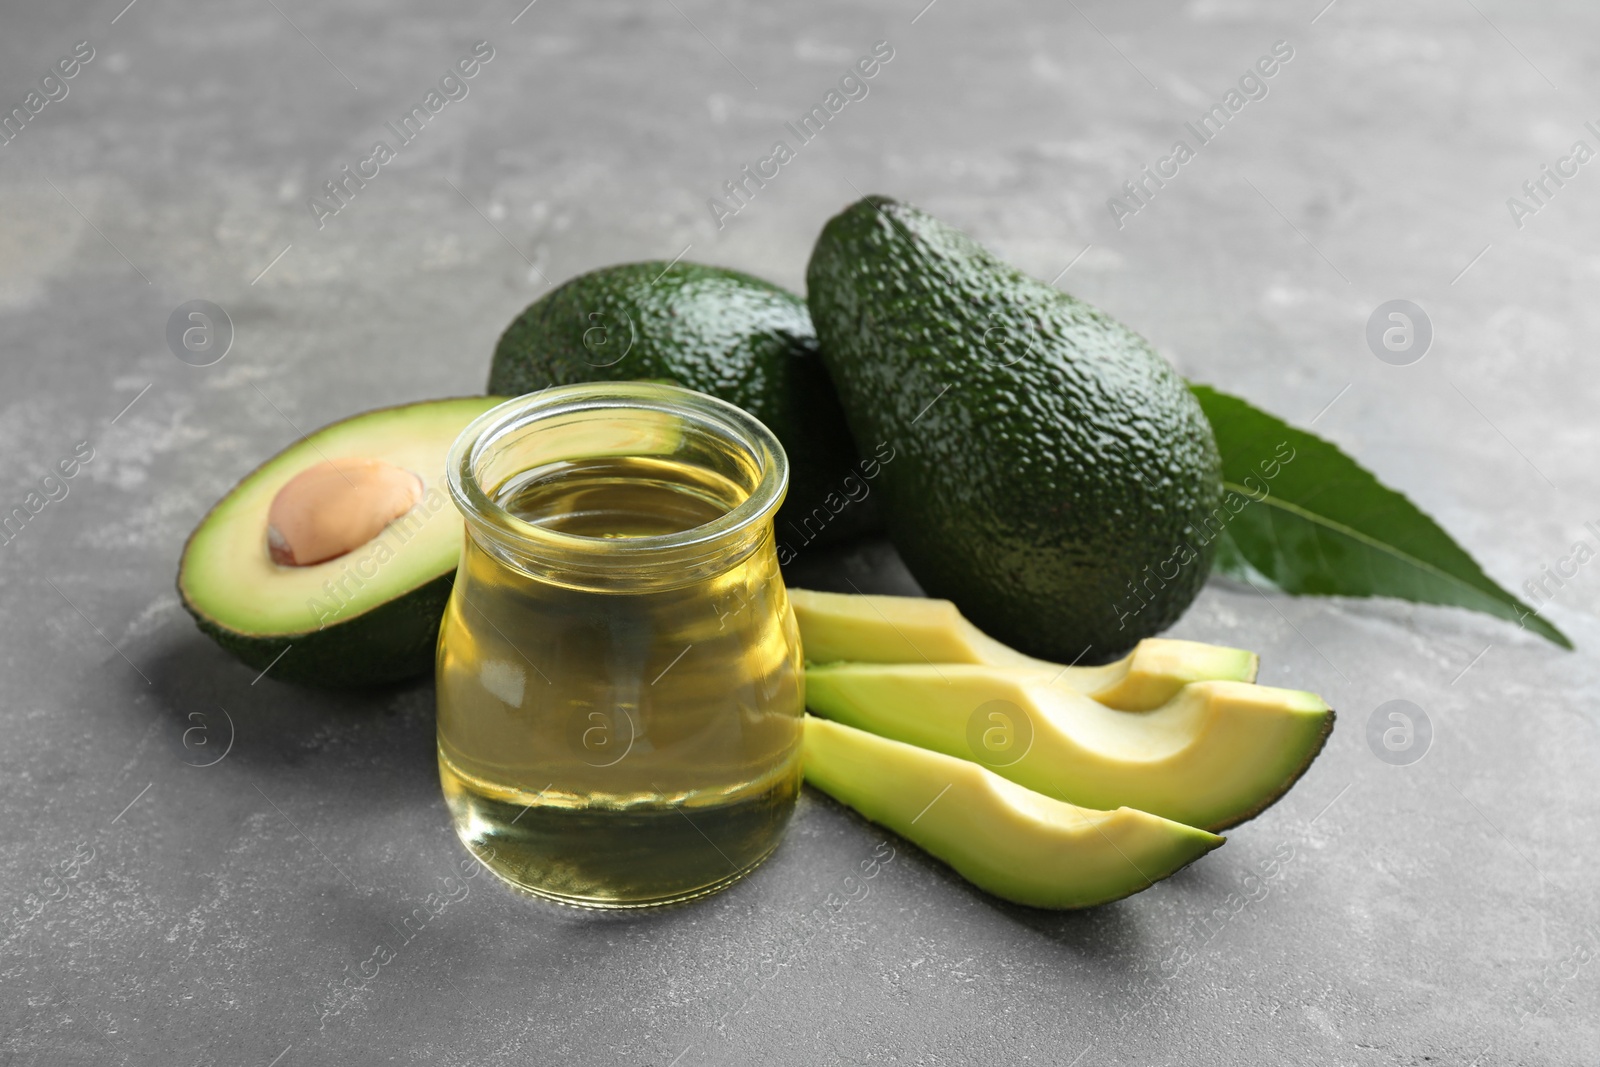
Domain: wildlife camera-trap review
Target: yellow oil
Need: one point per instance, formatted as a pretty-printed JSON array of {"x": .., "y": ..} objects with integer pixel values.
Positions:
[{"x": 619, "y": 749}]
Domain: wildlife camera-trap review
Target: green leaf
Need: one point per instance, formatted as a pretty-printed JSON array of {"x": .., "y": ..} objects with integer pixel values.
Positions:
[{"x": 1327, "y": 526}]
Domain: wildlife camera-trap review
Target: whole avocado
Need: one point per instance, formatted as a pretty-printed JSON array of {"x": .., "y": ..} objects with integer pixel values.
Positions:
[
  {"x": 717, "y": 331},
  {"x": 1053, "y": 475}
]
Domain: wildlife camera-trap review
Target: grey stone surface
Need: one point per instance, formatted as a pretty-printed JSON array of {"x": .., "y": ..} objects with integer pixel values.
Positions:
[{"x": 157, "y": 912}]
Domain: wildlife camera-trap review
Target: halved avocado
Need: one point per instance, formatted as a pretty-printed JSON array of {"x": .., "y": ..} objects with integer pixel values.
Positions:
[
  {"x": 1213, "y": 756},
  {"x": 1010, "y": 841},
  {"x": 367, "y": 616},
  {"x": 906, "y": 629}
]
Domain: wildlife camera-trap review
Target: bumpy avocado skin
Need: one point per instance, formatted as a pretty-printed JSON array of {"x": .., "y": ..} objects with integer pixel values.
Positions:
[
  {"x": 394, "y": 642},
  {"x": 1051, "y": 472},
  {"x": 716, "y": 331}
]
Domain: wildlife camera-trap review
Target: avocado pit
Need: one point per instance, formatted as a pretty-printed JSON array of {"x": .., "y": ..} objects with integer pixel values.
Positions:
[{"x": 336, "y": 506}]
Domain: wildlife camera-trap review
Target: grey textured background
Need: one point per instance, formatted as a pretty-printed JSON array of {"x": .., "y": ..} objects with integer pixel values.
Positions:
[{"x": 1430, "y": 913}]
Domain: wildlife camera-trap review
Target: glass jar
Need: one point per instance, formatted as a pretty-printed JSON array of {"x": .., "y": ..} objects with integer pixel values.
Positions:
[{"x": 620, "y": 688}]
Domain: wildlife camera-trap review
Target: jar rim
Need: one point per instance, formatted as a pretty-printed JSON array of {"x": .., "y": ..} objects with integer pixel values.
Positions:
[{"x": 484, "y": 514}]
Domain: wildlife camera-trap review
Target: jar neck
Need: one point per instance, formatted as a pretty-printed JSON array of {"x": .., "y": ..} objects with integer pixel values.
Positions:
[{"x": 617, "y": 420}]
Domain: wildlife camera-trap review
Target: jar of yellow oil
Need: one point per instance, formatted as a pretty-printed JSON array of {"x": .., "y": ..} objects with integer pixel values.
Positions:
[{"x": 620, "y": 688}]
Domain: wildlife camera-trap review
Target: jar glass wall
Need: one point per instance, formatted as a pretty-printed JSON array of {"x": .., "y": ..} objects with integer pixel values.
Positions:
[{"x": 619, "y": 677}]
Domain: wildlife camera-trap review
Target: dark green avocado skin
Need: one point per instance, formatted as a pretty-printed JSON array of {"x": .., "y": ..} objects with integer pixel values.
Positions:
[
  {"x": 1048, "y": 463},
  {"x": 393, "y": 642},
  {"x": 717, "y": 331}
]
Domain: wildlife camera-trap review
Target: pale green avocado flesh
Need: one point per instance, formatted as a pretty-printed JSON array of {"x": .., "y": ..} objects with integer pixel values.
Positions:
[
  {"x": 836, "y": 627},
  {"x": 1012, "y": 842},
  {"x": 1213, "y": 756},
  {"x": 366, "y": 617}
]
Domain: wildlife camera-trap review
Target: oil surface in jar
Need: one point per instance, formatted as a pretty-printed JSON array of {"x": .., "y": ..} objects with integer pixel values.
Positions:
[{"x": 619, "y": 749}]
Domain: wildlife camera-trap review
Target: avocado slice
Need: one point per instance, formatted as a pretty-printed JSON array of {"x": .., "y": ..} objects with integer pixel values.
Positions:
[
  {"x": 1007, "y": 840},
  {"x": 720, "y": 332},
  {"x": 366, "y": 616},
  {"x": 1053, "y": 475},
  {"x": 869, "y": 628},
  {"x": 1213, "y": 756}
]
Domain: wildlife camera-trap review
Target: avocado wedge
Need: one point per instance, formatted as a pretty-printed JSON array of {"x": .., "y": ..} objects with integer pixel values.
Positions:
[
  {"x": 366, "y": 615},
  {"x": 905, "y": 629},
  {"x": 1017, "y": 844},
  {"x": 1213, "y": 756}
]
